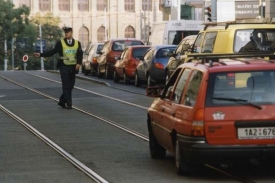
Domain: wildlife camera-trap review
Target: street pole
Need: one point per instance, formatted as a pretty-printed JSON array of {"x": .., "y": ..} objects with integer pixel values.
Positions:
[
  {"x": 41, "y": 48},
  {"x": 12, "y": 52},
  {"x": 12, "y": 42},
  {"x": 5, "y": 60}
]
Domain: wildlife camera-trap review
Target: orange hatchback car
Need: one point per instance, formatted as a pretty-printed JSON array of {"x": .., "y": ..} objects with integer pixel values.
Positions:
[
  {"x": 126, "y": 64},
  {"x": 218, "y": 109}
]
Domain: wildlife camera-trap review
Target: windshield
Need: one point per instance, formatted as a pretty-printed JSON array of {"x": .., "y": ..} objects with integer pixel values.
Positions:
[
  {"x": 241, "y": 88},
  {"x": 254, "y": 40}
]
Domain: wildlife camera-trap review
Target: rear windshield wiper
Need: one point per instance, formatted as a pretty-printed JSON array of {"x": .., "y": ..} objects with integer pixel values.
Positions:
[{"x": 240, "y": 101}]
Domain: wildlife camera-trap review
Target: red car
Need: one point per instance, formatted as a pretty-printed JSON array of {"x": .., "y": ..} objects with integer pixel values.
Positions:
[
  {"x": 111, "y": 49},
  {"x": 126, "y": 64}
]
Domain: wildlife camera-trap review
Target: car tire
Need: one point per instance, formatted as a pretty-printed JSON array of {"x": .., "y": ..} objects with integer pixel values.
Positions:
[
  {"x": 137, "y": 80},
  {"x": 99, "y": 74},
  {"x": 156, "y": 150},
  {"x": 107, "y": 73},
  {"x": 126, "y": 79},
  {"x": 83, "y": 69},
  {"x": 116, "y": 77},
  {"x": 183, "y": 167},
  {"x": 86, "y": 72},
  {"x": 149, "y": 81}
]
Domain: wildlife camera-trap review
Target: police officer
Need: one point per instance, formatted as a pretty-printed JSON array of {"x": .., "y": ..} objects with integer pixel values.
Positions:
[{"x": 70, "y": 60}]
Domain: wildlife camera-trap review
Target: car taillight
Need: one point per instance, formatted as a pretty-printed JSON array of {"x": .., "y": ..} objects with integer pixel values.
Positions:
[
  {"x": 159, "y": 65},
  {"x": 198, "y": 123},
  {"x": 94, "y": 60}
]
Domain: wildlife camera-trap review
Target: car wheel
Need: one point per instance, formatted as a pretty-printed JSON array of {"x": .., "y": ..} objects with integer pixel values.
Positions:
[
  {"x": 116, "y": 77},
  {"x": 149, "y": 81},
  {"x": 86, "y": 72},
  {"x": 126, "y": 79},
  {"x": 83, "y": 69},
  {"x": 137, "y": 80},
  {"x": 156, "y": 150},
  {"x": 107, "y": 73},
  {"x": 183, "y": 167},
  {"x": 99, "y": 75}
]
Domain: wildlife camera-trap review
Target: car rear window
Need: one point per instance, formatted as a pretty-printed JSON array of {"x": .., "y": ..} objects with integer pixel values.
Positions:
[
  {"x": 163, "y": 52},
  {"x": 254, "y": 40},
  {"x": 238, "y": 88},
  {"x": 120, "y": 45}
]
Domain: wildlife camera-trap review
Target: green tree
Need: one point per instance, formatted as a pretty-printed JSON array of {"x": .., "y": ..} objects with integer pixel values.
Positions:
[
  {"x": 51, "y": 33},
  {"x": 12, "y": 22}
]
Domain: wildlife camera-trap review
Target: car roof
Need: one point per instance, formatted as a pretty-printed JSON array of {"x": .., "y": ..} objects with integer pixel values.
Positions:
[
  {"x": 139, "y": 46},
  {"x": 122, "y": 39},
  {"x": 233, "y": 64},
  {"x": 164, "y": 46}
]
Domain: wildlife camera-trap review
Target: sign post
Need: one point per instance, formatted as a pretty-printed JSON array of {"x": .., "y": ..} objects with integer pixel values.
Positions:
[{"x": 25, "y": 59}]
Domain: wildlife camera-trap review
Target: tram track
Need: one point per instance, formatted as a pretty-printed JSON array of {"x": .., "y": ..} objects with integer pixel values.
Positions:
[
  {"x": 110, "y": 122},
  {"x": 97, "y": 178}
]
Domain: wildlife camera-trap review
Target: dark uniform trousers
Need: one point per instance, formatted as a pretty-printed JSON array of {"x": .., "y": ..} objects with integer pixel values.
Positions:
[{"x": 68, "y": 80}]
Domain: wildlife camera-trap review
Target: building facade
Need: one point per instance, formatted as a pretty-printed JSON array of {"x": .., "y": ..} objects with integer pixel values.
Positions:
[{"x": 99, "y": 20}]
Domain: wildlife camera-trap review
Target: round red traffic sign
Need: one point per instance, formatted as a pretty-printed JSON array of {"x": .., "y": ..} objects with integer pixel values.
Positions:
[{"x": 25, "y": 58}]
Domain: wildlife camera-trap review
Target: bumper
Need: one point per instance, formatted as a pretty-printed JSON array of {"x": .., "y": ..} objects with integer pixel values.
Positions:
[{"x": 196, "y": 149}]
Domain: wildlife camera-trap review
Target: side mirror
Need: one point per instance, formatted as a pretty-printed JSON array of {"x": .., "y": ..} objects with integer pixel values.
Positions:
[{"x": 153, "y": 91}]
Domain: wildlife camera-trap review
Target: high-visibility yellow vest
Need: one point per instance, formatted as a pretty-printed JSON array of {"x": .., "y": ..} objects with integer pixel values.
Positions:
[{"x": 69, "y": 53}]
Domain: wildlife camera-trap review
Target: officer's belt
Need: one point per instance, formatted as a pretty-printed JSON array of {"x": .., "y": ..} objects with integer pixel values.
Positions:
[{"x": 64, "y": 58}]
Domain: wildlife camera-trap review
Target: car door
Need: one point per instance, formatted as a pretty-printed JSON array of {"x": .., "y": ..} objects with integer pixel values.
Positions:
[
  {"x": 143, "y": 66},
  {"x": 162, "y": 108},
  {"x": 102, "y": 58},
  {"x": 172, "y": 110},
  {"x": 121, "y": 62}
]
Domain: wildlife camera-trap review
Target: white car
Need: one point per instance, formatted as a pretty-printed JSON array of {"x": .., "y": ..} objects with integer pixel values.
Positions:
[{"x": 89, "y": 62}]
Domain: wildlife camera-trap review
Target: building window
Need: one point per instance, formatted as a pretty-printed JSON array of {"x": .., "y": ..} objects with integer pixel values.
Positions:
[
  {"x": 101, "y": 5},
  {"x": 44, "y": 5},
  {"x": 83, "y": 5},
  {"x": 161, "y": 5},
  {"x": 130, "y": 32},
  {"x": 129, "y": 5},
  {"x": 147, "y": 5},
  {"x": 24, "y": 2},
  {"x": 83, "y": 36},
  {"x": 101, "y": 34},
  {"x": 64, "y": 5}
]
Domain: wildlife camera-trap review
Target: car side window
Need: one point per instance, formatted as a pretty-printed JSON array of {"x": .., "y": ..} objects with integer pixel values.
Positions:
[
  {"x": 197, "y": 43},
  {"x": 178, "y": 50},
  {"x": 168, "y": 90},
  {"x": 208, "y": 42},
  {"x": 180, "y": 85},
  {"x": 193, "y": 88}
]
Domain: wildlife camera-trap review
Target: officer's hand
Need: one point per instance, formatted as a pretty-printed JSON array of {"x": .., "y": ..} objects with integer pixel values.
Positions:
[
  {"x": 77, "y": 67},
  {"x": 36, "y": 54}
]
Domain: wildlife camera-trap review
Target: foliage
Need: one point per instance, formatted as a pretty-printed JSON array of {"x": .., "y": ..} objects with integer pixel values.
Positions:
[{"x": 15, "y": 25}]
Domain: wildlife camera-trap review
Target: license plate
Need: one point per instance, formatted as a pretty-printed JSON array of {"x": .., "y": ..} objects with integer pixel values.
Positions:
[{"x": 256, "y": 133}]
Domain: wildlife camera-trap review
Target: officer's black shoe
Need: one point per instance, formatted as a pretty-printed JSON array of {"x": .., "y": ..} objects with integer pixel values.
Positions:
[
  {"x": 62, "y": 104},
  {"x": 68, "y": 106}
]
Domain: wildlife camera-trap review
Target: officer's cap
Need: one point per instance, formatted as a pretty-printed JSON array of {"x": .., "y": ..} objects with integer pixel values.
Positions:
[{"x": 67, "y": 29}]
